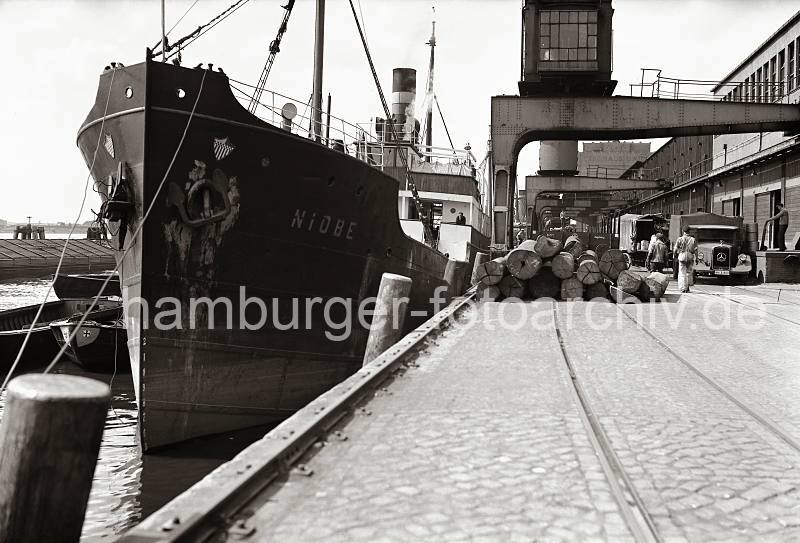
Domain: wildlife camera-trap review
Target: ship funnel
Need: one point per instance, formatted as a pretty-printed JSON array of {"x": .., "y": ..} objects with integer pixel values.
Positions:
[{"x": 404, "y": 94}]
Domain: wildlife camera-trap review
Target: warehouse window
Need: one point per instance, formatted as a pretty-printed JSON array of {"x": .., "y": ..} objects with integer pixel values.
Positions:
[
  {"x": 758, "y": 85},
  {"x": 568, "y": 36},
  {"x": 797, "y": 61},
  {"x": 781, "y": 73},
  {"x": 773, "y": 65},
  {"x": 790, "y": 68},
  {"x": 767, "y": 81},
  {"x": 732, "y": 207}
]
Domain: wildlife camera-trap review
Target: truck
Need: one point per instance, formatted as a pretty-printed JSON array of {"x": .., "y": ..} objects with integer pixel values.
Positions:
[
  {"x": 635, "y": 229},
  {"x": 721, "y": 245}
]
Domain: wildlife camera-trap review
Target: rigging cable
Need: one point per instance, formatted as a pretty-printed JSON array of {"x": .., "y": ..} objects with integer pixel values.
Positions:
[
  {"x": 435, "y": 99},
  {"x": 409, "y": 179},
  {"x": 66, "y": 242},
  {"x": 136, "y": 232},
  {"x": 185, "y": 13},
  {"x": 202, "y": 29}
]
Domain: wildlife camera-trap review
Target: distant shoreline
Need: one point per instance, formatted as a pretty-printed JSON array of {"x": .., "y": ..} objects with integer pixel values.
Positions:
[{"x": 48, "y": 228}]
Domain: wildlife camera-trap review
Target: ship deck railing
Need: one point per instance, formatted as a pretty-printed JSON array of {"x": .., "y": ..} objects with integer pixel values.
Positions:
[{"x": 366, "y": 141}]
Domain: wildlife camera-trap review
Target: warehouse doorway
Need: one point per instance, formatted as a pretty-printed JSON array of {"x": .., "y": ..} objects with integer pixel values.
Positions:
[
  {"x": 774, "y": 200},
  {"x": 761, "y": 213}
]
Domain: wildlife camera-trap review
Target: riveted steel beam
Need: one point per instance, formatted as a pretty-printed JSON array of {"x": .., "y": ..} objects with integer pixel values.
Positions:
[{"x": 517, "y": 121}]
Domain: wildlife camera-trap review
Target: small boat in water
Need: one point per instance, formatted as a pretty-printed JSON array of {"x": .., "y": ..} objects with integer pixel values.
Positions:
[
  {"x": 86, "y": 285},
  {"x": 101, "y": 344},
  {"x": 42, "y": 346}
]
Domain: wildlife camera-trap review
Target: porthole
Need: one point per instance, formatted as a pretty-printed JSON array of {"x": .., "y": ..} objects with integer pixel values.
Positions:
[
  {"x": 129, "y": 92},
  {"x": 180, "y": 93}
]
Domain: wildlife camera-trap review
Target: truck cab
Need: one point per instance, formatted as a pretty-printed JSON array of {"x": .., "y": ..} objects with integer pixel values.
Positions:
[
  {"x": 719, "y": 252},
  {"x": 721, "y": 249}
]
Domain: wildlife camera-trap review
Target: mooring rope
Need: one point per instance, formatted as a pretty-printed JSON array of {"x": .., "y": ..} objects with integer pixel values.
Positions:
[{"x": 66, "y": 242}]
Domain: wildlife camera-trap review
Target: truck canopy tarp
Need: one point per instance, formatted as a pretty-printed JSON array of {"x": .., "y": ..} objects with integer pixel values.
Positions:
[{"x": 698, "y": 219}]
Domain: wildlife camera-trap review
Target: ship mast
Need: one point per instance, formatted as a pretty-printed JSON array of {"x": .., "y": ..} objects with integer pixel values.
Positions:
[
  {"x": 163, "y": 32},
  {"x": 316, "y": 102},
  {"x": 429, "y": 97}
]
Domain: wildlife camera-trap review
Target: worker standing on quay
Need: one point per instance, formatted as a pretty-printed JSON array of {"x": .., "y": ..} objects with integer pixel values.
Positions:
[
  {"x": 782, "y": 216},
  {"x": 686, "y": 248},
  {"x": 657, "y": 254}
]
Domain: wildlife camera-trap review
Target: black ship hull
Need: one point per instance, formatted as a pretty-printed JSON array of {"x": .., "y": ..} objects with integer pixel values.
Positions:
[{"x": 239, "y": 204}]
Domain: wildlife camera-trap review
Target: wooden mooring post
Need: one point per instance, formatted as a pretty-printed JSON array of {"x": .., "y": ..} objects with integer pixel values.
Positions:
[
  {"x": 390, "y": 312},
  {"x": 453, "y": 285},
  {"x": 480, "y": 259},
  {"x": 49, "y": 441}
]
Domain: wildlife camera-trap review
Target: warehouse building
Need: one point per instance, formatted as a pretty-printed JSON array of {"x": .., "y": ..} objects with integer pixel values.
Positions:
[{"x": 744, "y": 174}]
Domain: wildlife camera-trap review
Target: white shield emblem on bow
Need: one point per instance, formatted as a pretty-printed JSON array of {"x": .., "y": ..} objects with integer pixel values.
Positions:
[
  {"x": 223, "y": 147},
  {"x": 108, "y": 143}
]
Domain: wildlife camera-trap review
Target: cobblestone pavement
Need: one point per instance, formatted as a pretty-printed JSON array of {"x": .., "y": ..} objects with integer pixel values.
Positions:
[
  {"x": 481, "y": 442},
  {"x": 782, "y": 301},
  {"x": 760, "y": 366},
  {"x": 481, "y": 439},
  {"x": 706, "y": 470}
]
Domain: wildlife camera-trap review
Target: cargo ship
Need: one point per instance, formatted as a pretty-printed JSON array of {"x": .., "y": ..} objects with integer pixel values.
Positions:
[{"x": 212, "y": 208}]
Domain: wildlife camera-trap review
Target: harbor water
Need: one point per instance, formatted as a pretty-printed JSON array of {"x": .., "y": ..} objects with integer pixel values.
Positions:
[{"x": 127, "y": 485}]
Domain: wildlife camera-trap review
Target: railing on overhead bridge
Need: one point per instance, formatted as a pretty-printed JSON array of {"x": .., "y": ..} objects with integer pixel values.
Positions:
[{"x": 749, "y": 90}]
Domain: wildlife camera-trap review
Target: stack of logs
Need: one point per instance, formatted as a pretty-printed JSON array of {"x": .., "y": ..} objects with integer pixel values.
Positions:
[{"x": 547, "y": 269}]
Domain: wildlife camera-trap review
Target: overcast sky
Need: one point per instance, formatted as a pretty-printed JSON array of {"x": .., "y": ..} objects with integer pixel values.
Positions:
[{"x": 53, "y": 52}]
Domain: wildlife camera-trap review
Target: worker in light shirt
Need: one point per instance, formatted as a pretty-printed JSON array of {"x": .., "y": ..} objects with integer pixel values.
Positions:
[{"x": 782, "y": 216}]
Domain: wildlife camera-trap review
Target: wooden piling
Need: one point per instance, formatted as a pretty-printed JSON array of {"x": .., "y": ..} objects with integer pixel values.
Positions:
[
  {"x": 480, "y": 260},
  {"x": 387, "y": 324},
  {"x": 49, "y": 440},
  {"x": 453, "y": 288}
]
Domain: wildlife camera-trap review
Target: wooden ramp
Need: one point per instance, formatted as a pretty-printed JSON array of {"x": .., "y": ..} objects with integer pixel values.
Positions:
[{"x": 31, "y": 258}]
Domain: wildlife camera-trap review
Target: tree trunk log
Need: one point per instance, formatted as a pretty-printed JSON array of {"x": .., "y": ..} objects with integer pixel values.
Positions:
[
  {"x": 588, "y": 254},
  {"x": 547, "y": 247},
  {"x": 619, "y": 296},
  {"x": 563, "y": 265},
  {"x": 511, "y": 287},
  {"x": 492, "y": 271},
  {"x": 574, "y": 246},
  {"x": 488, "y": 293},
  {"x": 657, "y": 284},
  {"x": 544, "y": 284},
  {"x": 611, "y": 263},
  {"x": 523, "y": 262},
  {"x": 597, "y": 291},
  {"x": 629, "y": 282},
  {"x": 589, "y": 272},
  {"x": 571, "y": 289}
]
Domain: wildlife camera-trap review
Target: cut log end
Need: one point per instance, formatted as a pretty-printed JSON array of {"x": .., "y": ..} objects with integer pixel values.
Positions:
[{"x": 547, "y": 247}]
